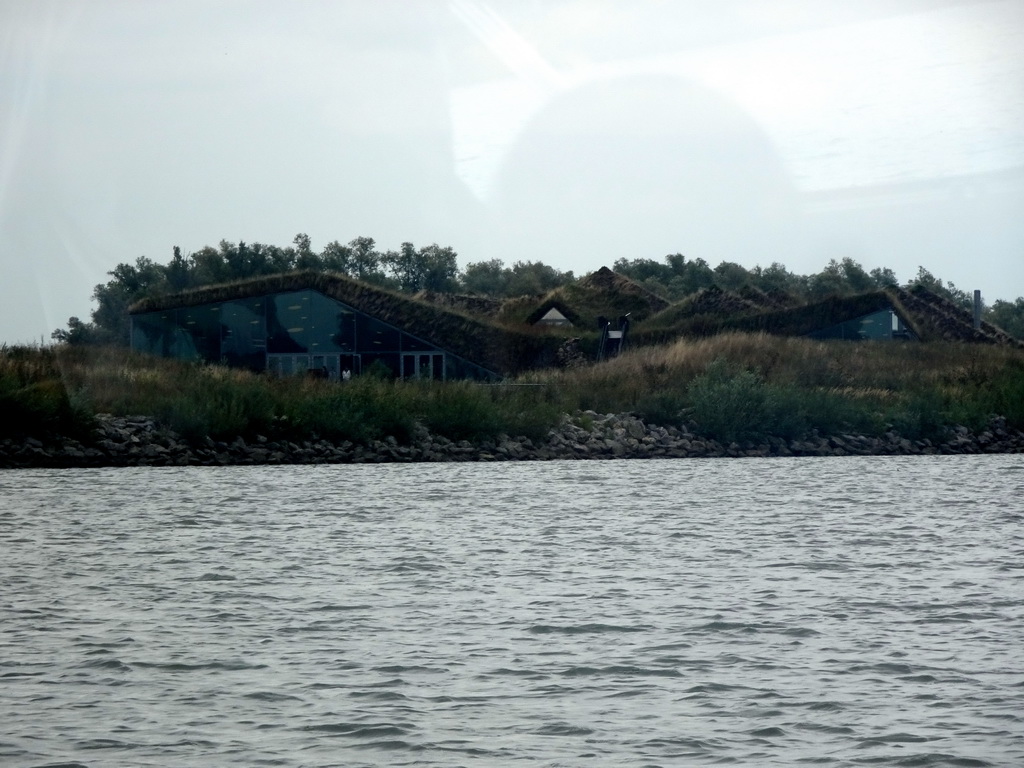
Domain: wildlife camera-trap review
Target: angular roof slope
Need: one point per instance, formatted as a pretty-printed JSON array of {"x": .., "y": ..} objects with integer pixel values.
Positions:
[
  {"x": 715, "y": 304},
  {"x": 497, "y": 348},
  {"x": 602, "y": 293},
  {"x": 941, "y": 319},
  {"x": 931, "y": 317},
  {"x": 479, "y": 306}
]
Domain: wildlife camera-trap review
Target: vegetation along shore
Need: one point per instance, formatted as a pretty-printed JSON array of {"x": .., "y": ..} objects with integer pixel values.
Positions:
[
  {"x": 733, "y": 394},
  {"x": 249, "y": 353}
]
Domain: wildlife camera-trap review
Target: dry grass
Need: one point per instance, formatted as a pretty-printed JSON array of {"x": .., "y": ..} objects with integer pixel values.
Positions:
[
  {"x": 960, "y": 382},
  {"x": 791, "y": 385}
]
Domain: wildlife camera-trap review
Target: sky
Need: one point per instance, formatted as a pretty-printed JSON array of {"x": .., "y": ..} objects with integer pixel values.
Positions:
[{"x": 572, "y": 132}]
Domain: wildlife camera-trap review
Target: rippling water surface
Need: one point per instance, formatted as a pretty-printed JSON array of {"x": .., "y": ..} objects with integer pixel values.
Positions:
[{"x": 756, "y": 612}]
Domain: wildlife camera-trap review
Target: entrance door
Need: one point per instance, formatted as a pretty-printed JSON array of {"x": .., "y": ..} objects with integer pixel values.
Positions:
[
  {"x": 325, "y": 366},
  {"x": 423, "y": 365}
]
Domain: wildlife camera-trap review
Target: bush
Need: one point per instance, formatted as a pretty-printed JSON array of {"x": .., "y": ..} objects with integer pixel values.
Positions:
[
  {"x": 734, "y": 405},
  {"x": 728, "y": 404},
  {"x": 459, "y": 411},
  {"x": 361, "y": 409},
  {"x": 33, "y": 397},
  {"x": 39, "y": 407}
]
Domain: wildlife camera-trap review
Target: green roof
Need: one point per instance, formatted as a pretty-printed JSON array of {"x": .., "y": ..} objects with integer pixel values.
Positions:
[
  {"x": 497, "y": 348},
  {"x": 929, "y": 316}
]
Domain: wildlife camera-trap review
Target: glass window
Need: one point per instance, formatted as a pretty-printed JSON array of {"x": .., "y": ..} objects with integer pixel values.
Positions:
[
  {"x": 203, "y": 324},
  {"x": 412, "y": 344},
  {"x": 289, "y": 322},
  {"x": 280, "y": 332},
  {"x": 383, "y": 365},
  {"x": 333, "y": 325},
  {"x": 244, "y": 333},
  {"x": 458, "y": 368},
  {"x": 375, "y": 337},
  {"x": 152, "y": 332},
  {"x": 884, "y": 324}
]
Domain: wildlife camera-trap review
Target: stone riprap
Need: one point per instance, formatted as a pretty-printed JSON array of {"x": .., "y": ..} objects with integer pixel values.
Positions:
[{"x": 139, "y": 441}]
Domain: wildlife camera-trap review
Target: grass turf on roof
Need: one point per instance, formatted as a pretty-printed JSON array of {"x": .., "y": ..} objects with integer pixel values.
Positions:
[
  {"x": 602, "y": 293},
  {"x": 499, "y": 349},
  {"x": 929, "y": 316}
]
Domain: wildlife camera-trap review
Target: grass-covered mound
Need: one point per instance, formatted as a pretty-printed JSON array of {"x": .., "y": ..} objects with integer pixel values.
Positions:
[
  {"x": 499, "y": 348},
  {"x": 601, "y": 294},
  {"x": 713, "y": 311}
]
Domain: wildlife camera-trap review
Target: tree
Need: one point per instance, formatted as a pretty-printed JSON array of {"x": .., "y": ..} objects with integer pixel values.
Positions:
[
  {"x": 730, "y": 276},
  {"x": 279, "y": 259},
  {"x": 76, "y": 334},
  {"x": 259, "y": 259},
  {"x": 365, "y": 258},
  {"x": 210, "y": 265},
  {"x": 884, "y": 277},
  {"x": 857, "y": 280},
  {"x": 432, "y": 268},
  {"x": 927, "y": 280},
  {"x": 533, "y": 277},
  {"x": 487, "y": 278},
  {"x": 644, "y": 270},
  {"x": 777, "y": 279},
  {"x": 177, "y": 272},
  {"x": 1008, "y": 315},
  {"x": 129, "y": 283},
  {"x": 404, "y": 266},
  {"x": 337, "y": 257},
  {"x": 304, "y": 256},
  {"x": 842, "y": 278},
  {"x": 439, "y": 267}
]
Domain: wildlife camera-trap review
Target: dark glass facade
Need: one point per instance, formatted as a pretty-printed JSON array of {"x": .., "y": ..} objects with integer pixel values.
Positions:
[
  {"x": 295, "y": 333},
  {"x": 885, "y": 324}
]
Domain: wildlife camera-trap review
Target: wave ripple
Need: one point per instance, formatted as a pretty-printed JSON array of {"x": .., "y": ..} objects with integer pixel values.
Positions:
[{"x": 841, "y": 612}]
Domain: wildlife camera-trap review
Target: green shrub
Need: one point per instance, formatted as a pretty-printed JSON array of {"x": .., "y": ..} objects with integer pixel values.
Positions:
[
  {"x": 728, "y": 404},
  {"x": 219, "y": 407},
  {"x": 664, "y": 407},
  {"x": 529, "y": 411},
  {"x": 360, "y": 410},
  {"x": 734, "y": 405},
  {"x": 39, "y": 407},
  {"x": 920, "y": 415}
]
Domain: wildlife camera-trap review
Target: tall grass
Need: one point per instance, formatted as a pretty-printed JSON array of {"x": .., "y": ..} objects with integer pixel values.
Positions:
[
  {"x": 33, "y": 399},
  {"x": 743, "y": 386},
  {"x": 732, "y": 386},
  {"x": 39, "y": 386}
]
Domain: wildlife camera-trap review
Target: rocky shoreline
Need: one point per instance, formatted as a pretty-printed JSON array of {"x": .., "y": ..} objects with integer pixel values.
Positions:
[{"x": 139, "y": 441}]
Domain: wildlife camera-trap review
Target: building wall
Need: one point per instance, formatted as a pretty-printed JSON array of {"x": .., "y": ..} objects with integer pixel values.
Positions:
[
  {"x": 884, "y": 324},
  {"x": 292, "y": 333}
]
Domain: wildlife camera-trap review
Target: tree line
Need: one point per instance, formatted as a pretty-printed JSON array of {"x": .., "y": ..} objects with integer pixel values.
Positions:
[{"x": 435, "y": 268}]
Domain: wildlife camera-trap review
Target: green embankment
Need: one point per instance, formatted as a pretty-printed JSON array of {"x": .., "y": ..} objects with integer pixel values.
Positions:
[{"x": 734, "y": 386}]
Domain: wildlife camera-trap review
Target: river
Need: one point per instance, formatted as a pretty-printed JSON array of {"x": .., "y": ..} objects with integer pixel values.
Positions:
[{"x": 821, "y": 611}]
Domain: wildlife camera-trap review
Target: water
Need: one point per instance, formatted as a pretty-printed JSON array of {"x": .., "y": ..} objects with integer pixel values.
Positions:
[{"x": 756, "y": 612}]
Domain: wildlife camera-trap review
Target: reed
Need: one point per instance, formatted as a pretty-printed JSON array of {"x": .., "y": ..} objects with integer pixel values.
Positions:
[
  {"x": 734, "y": 386},
  {"x": 56, "y": 390},
  {"x": 796, "y": 385}
]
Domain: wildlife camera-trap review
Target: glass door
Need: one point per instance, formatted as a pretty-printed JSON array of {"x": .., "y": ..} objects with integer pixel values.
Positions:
[{"x": 423, "y": 365}]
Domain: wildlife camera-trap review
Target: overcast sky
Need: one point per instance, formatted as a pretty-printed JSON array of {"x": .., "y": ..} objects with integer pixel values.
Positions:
[{"x": 573, "y": 132}]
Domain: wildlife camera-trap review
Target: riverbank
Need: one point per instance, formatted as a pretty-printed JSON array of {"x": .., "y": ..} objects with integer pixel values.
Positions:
[
  {"x": 139, "y": 441},
  {"x": 731, "y": 395}
]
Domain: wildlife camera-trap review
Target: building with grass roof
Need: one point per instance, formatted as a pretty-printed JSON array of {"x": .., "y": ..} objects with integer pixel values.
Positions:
[{"x": 328, "y": 325}]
